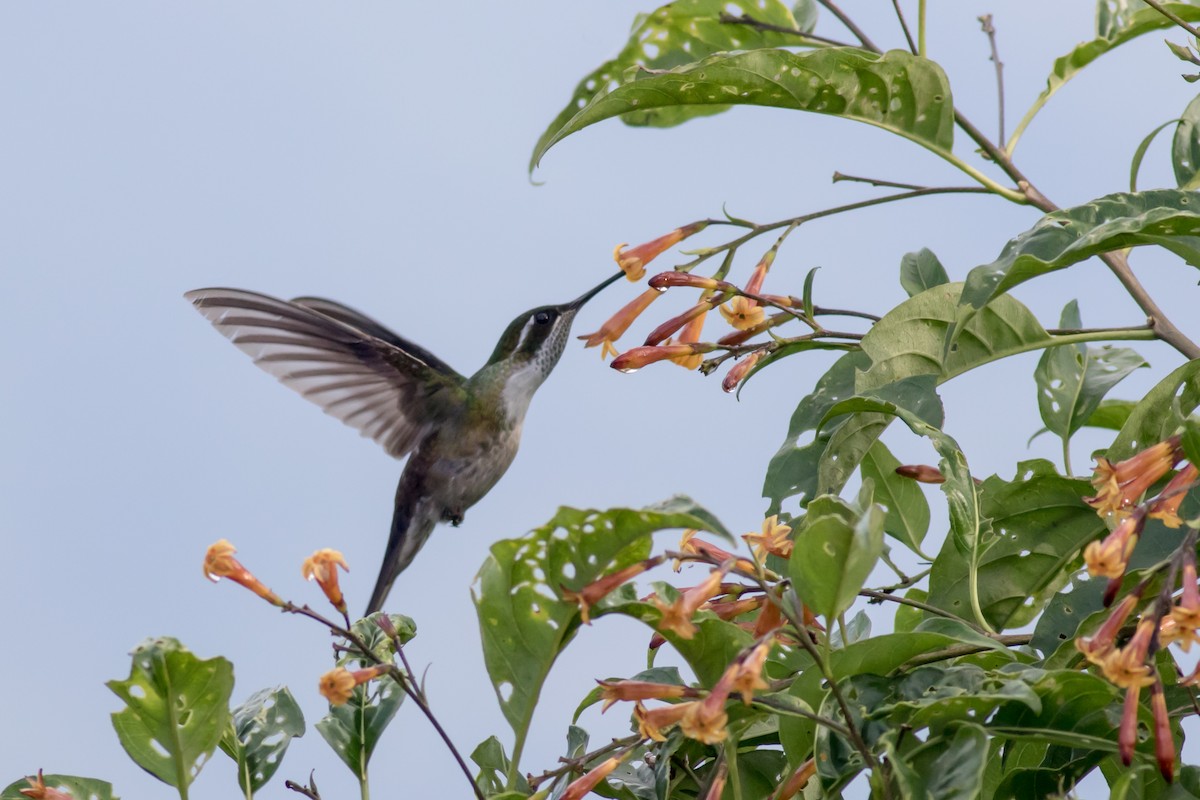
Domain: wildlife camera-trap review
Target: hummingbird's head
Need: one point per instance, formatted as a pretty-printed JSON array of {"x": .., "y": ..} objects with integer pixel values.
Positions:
[
  {"x": 534, "y": 341},
  {"x": 530, "y": 348}
]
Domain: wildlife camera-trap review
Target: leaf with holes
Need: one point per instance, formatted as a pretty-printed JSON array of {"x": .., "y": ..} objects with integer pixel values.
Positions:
[
  {"x": 1113, "y": 30},
  {"x": 944, "y": 767},
  {"x": 73, "y": 786},
  {"x": 523, "y": 620},
  {"x": 793, "y": 469},
  {"x": 354, "y": 728},
  {"x": 259, "y": 735},
  {"x": 835, "y": 550},
  {"x": 672, "y": 35},
  {"x": 1039, "y": 527},
  {"x": 1185, "y": 147},
  {"x": 1169, "y": 218},
  {"x": 1158, "y": 414},
  {"x": 896, "y": 91},
  {"x": 1072, "y": 379},
  {"x": 907, "y": 509},
  {"x": 921, "y": 271},
  {"x": 176, "y": 709}
]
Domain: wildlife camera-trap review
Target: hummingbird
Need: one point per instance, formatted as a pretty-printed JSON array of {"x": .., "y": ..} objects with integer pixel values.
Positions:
[{"x": 460, "y": 434}]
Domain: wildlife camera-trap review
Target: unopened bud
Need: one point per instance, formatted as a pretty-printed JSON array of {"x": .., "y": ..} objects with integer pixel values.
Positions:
[
  {"x": 667, "y": 280},
  {"x": 921, "y": 473}
]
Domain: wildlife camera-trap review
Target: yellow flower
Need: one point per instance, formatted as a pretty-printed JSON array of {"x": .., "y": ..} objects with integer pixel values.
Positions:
[
  {"x": 220, "y": 563},
  {"x": 616, "y": 326},
  {"x": 595, "y": 591},
  {"x": 652, "y": 722},
  {"x": 1110, "y": 556},
  {"x": 742, "y": 313},
  {"x": 1098, "y": 647},
  {"x": 338, "y": 684},
  {"x": 38, "y": 790},
  {"x": 705, "y": 720},
  {"x": 677, "y": 616},
  {"x": 1182, "y": 624},
  {"x": 580, "y": 787},
  {"x": 1127, "y": 666},
  {"x": 774, "y": 539},
  {"x": 322, "y": 566},
  {"x": 1166, "y": 506},
  {"x": 1122, "y": 484},
  {"x": 747, "y": 677},
  {"x": 634, "y": 260}
]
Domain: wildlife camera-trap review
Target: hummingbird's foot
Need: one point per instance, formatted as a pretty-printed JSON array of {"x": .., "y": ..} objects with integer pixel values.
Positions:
[{"x": 455, "y": 518}]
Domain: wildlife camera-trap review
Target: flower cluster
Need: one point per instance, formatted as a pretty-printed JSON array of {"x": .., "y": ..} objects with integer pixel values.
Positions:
[
  {"x": 1169, "y": 619},
  {"x": 678, "y": 339}
]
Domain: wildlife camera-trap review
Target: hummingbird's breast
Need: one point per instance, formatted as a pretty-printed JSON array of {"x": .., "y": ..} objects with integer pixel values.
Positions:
[{"x": 466, "y": 460}]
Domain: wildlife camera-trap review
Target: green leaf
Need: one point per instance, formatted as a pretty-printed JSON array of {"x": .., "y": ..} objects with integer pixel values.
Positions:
[
  {"x": 907, "y": 516},
  {"x": 955, "y": 764},
  {"x": 833, "y": 554},
  {"x": 1039, "y": 526},
  {"x": 83, "y": 788},
  {"x": 1113, "y": 30},
  {"x": 1157, "y": 415},
  {"x": 1135, "y": 165},
  {"x": 807, "y": 299},
  {"x": 1185, "y": 148},
  {"x": 354, "y": 728},
  {"x": 259, "y": 735},
  {"x": 793, "y": 470},
  {"x": 1072, "y": 379},
  {"x": 494, "y": 765},
  {"x": 1169, "y": 218},
  {"x": 378, "y": 642},
  {"x": 897, "y": 91},
  {"x": 523, "y": 620},
  {"x": 675, "y": 34},
  {"x": 936, "y": 697},
  {"x": 921, "y": 271},
  {"x": 176, "y": 709}
]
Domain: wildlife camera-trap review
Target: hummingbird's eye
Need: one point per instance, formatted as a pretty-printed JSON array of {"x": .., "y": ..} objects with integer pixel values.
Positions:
[{"x": 542, "y": 317}]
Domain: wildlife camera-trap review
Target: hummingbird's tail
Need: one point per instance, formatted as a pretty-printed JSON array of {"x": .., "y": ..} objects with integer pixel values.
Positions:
[{"x": 412, "y": 523}]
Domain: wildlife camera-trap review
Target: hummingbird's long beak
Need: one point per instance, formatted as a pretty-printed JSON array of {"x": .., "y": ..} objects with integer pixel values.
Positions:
[{"x": 578, "y": 302}]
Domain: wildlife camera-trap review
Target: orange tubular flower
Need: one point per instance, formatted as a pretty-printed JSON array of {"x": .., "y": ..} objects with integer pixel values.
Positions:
[
  {"x": 220, "y": 563},
  {"x": 619, "y": 323},
  {"x": 666, "y": 280},
  {"x": 1127, "y": 733},
  {"x": 705, "y": 720},
  {"x": 652, "y": 722},
  {"x": 677, "y": 616},
  {"x": 1166, "y": 507},
  {"x": 1181, "y": 625},
  {"x": 580, "y": 787},
  {"x": 1127, "y": 666},
  {"x": 634, "y": 260},
  {"x": 796, "y": 783},
  {"x": 322, "y": 566},
  {"x": 774, "y": 539},
  {"x": 635, "y": 358},
  {"x": 338, "y": 684},
  {"x": 738, "y": 372},
  {"x": 754, "y": 285},
  {"x": 921, "y": 473},
  {"x": 631, "y": 691},
  {"x": 743, "y": 313},
  {"x": 38, "y": 790},
  {"x": 1120, "y": 485},
  {"x": 769, "y": 620},
  {"x": 690, "y": 544},
  {"x": 685, "y": 319},
  {"x": 595, "y": 591},
  {"x": 747, "y": 677},
  {"x": 1098, "y": 647},
  {"x": 736, "y": 608},
  {"x": 1110, "y": 556},
  {"x": 1164, "y": 742}
]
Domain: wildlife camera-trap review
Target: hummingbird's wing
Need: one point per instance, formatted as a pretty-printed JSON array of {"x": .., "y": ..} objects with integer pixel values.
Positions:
[
  {"x": 349, "y": 316},
  {"x": 388, "y": 388}
]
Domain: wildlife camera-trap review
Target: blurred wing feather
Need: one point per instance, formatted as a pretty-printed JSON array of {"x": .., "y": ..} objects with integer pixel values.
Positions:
[{"x": 355, "y": 369}]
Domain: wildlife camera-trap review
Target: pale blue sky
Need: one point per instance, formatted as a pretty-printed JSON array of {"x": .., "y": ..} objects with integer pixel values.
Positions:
[{"x": 375, "y": 153}]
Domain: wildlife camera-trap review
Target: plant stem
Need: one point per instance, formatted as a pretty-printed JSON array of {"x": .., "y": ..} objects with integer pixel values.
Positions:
[
  {"x": 759, "y": 25},
  {"x": 954, "y": 651},
  {"x": 904, "y": 27},
  {"x": 732, "y": 761},
  {"x": 907, "y": 601},
  {"x": 364, "y": 787},
  {"x": 990, "y": 30},
  {"x": 850, "y": 25},
  {"x": 1173, "y": 17},
  {"x": 920, "y": 28}
]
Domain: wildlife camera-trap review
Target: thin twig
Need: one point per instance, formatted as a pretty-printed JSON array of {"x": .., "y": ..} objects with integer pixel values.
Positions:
[
  {"x": 577, "y": 763},
  {"x": 990, "y": 30},
  {"x": 309, "y": 791},
  {"x": 750, "y": 22},
  {"x": 904, "y": 584},
  {"x": 1173, "y": 17},
  {"x": 819, "y": 311},
  {"x": 850, "y": 25},
  {"x": 912, "y": 45},
  {"x": 880, "y": 597}
]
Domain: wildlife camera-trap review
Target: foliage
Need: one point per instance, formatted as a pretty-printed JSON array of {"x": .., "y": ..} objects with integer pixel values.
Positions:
[{"x": 1033, "y": 650}]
